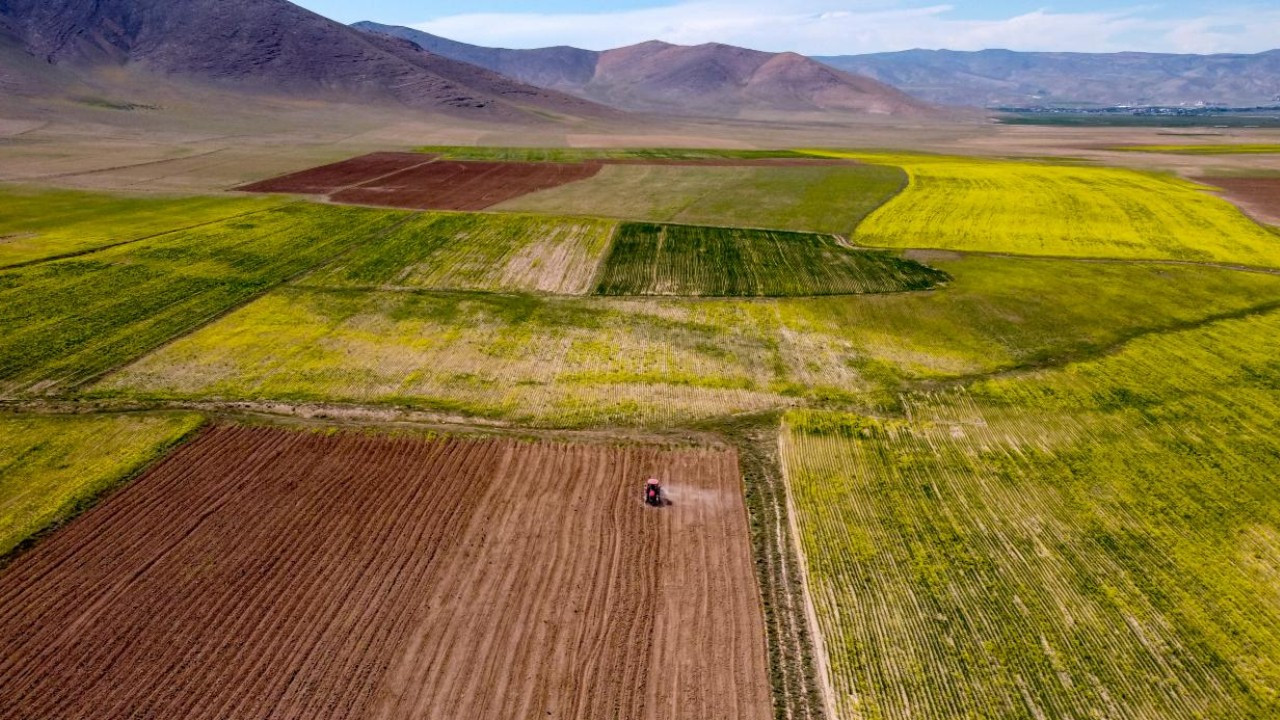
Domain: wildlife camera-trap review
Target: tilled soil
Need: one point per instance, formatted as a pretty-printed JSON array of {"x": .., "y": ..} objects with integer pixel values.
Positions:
[
  {"x": 464, "y": 185},
  {"x": 332, "y": 178},
  {"x": 417, "y": 182},
  {"x": 268, "y": 573},
  {"x": 1258, "y": 196}
]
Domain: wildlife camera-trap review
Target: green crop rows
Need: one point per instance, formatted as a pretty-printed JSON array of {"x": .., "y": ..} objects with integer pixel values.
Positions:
[
  {"x": 832, "y": 199},
  {"x": 66, "y": 321},
  {"x": 37, "y": 224},
  {"x": 52, "y": 466},
  {"x": 565, "y": 361},
  {"x": 651, "y": 259},
  {"x": 478, "y": 252},
  {"x": 1097, "y": 541}
]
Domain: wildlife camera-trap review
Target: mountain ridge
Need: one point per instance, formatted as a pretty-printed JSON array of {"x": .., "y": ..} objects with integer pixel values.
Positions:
[
  {"x": 710, "y": 79},
  {"x": 1007, "y": 77},
  {"x": 272, "y": 45}
]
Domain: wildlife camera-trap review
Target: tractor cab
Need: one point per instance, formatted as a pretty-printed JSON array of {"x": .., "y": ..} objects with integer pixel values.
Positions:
[{"x": 653, "y": 494}]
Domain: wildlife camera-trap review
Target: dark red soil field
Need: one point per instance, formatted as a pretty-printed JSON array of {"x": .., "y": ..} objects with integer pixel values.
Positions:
[
  {"x": 415, "y": 181},
  {"x": 331, "y": 178},
  {"x": 1258, "y": 196},
  {"x": 267, "y": 573},
  {"x": 452, "y": 185}
]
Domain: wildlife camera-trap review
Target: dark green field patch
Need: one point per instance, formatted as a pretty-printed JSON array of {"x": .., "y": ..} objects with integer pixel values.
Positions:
[
  {"x": 66, "y": 321},
  {"x": 683, "y": 260}
]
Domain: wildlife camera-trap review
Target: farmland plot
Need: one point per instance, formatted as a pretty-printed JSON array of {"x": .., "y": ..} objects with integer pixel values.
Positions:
[
  {"x": 573, "y": 154},
  {"x": 448, "y": 185},
  {"x": 1059, "y": 210},
  {"x": 1222, "y": 149},
  {"x": 696, "y": 261},
  {"x": 552, "y": 361},
  {"x": 51, "y": 466},
  {"x": 268, "y": 573},
  {"x": 1258, "y": 196},
  {"x": 65, "y": 321},
  {"x": 478, "y": 252},
  {"x": 1097, "y": 541},
  {"x": 803, "y": 198},
  {"x": 586, "y": 361},
  {"x": 331, "y": 178},
  {"x": 38, "y": 224}
]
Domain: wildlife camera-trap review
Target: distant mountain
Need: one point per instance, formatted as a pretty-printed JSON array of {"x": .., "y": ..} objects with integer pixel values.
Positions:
[
  {"x": 1003, "y": 77},
  {"x": 269, "y": 45},
  {"x": 711, "y": 79}
]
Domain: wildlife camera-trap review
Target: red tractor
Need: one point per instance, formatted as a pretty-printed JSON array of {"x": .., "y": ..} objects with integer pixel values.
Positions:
[{"x": 654, "y": 495}]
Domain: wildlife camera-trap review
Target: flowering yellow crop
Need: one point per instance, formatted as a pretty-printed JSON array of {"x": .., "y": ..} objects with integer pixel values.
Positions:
[{"x": 1032, "y": 208}]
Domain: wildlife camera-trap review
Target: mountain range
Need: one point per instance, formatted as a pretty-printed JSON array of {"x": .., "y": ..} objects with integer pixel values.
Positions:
[
  {"x": 263, "y": 45},
  {"x": 709, "y": 79},
  {"x": 1002, "y": 77},
  {"x": 52, "y": 47}
]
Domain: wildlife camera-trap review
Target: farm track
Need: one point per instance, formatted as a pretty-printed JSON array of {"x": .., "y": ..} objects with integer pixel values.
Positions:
[{"x": 273, "y": 573}]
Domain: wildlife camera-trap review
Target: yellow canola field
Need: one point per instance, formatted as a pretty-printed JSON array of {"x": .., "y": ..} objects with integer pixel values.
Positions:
[{"x": 1031, "y": 208}]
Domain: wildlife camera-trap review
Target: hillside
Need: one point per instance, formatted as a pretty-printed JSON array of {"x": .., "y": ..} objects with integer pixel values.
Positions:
[
  {"x": 272, "y": 46},
  {"x": 710, "y": 79},
  {"x": 1003, "y": 77}
]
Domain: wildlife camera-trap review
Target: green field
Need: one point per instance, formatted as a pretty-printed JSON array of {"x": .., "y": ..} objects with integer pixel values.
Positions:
[
  {"x": 37, "y": 224},
  {"x": 684, "y": 260},
  {"x": 1030, "y": 208},
  {"x": 65, "y": 321},
  {"x": 1227, "y": 149},
  {"x": 564, "y": 361},
  {"x": 567, "y": 154},
  {"x": 51, "y": 467},
  {"x": 478, "y": 252},
  {"x": 814, "y": 199},
  {"x": 1097, "y": 541}
]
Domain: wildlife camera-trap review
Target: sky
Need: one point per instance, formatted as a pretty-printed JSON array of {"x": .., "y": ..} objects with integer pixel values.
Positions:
[{"x": 838, "y": 27}]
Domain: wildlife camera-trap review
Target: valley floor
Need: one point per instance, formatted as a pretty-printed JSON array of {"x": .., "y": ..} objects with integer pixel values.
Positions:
[{"x": 997, "y": 436}]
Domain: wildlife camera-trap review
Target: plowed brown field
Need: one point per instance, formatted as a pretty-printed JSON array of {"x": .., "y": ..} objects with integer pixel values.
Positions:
[
  {"x": 331, "y": 178},
  {"x": 264, "y": 573},
  {"x": 1258, "y": 196},
  {"x": 464, "y": 185}
]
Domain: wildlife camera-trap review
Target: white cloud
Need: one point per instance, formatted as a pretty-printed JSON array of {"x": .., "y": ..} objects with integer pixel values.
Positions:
[{"x": 838, "y": 27}]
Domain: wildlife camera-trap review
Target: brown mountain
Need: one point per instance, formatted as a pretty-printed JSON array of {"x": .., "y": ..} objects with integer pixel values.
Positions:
[
  {"x": 272, "y": 46},
  {"x": 711, "y": 79}
]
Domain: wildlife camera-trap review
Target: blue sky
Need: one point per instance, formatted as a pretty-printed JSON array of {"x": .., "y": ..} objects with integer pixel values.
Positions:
[{"x": 832, "y": 27}]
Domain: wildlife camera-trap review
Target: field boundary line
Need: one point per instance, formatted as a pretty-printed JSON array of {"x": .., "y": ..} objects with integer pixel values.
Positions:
[
  {"x": 115, "y": 485},
  {"x": 811, "y": 613},
  {"x": 1266, "y": 308},
  {"x": 153, "y": 236},
  {"x": 56, "y": 176},
  {"x": 201, "y": 324},
  {"x": 1263, "y": 269},
  {"x": 597, "y": 277},
  {"x": 387, "y": 420}
]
